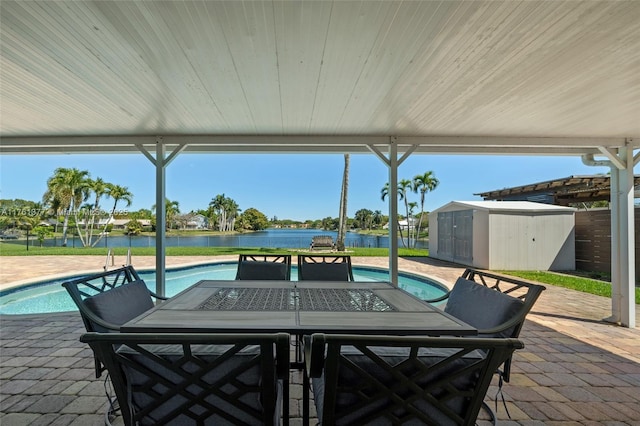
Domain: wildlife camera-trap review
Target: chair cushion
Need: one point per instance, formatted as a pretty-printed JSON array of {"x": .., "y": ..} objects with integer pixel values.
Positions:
[
  {"x": 325, "y": 271},
  {"x": 395, "y": 356},
  {"x": 260, "y": 270},
  {"x": 121, "y": 303},
  {"x": 482, "y": 307}
]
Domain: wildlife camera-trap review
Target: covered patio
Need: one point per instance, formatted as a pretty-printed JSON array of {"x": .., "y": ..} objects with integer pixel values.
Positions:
[
  {"x": 574, "y": 369},
  {"x": 390, "y": 79}
]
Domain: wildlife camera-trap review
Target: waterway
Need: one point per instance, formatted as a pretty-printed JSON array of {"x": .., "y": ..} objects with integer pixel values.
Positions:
[{"x": 269, "y": 238}]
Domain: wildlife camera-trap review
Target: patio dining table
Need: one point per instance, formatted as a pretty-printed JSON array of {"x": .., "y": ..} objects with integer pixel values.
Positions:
[{"x": 299, "y": 308}]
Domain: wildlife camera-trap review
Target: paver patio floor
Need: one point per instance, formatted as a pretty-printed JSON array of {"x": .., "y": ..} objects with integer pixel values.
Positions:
[{"x": 575, "y": 368}]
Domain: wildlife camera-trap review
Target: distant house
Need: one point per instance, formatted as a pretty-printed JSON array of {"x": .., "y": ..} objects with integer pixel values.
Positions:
[
  {"x": 119, "y": 223},
  {"x": 404, "y": 224},
  {"x": 197, "y": 221}
]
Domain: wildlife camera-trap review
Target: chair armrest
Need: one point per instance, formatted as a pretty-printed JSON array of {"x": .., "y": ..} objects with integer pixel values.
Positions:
[
  {"x": 438, "y": 299},
  {"x": 155, "y": 296},
  {"x": 513, "y": 322},
  {"x": 97, "y": 320},
  {"x": 314, "y": 349},
  {"x": 282, "y": 356}
]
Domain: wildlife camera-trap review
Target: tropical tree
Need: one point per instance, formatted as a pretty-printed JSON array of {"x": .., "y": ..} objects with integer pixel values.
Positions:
[
  {"x": 217, "y": 204},
  {"x": 254, "y": 219},
  {"x": 232, "y": 209},
  {"x": 404, "y": 186},
  {"x": 226, "y": 210},
  {"x": 363, "y": 218},
  {"x": 134, "y": 227},
  {"x": 41, "y": 232},
  {"x": 377, "y": 218},
  {"x": 117, "y": 193},
  {"x": 171, "y": 209},
  {"x": 99, "y": 188},
  {"x": 68, "y": 189},
  {"x": 422, "y": 184},
  {"x": 329, "y": 223},
  {"x": 342, "y": 217},
  {"x": 384, "y": 192}
]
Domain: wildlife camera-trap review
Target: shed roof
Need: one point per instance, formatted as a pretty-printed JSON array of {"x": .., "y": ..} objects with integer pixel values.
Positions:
[{"x": 506, "y": 206}]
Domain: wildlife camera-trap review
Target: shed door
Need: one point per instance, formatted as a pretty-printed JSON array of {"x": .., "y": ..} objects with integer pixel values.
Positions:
[
  {"x": 455, "y": 236},
  {"x": 463, "y": 236}
]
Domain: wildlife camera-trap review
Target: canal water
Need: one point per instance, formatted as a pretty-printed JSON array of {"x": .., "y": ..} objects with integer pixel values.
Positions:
[{"x": 269, "y": 238}]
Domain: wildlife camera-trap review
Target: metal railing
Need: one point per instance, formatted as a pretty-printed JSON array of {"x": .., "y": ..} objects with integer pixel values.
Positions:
[{"x": 111, "y": 256}]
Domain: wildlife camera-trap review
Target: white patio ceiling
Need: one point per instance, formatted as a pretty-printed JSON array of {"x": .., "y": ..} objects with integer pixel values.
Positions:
[
  {"x": 549, "y": 77},
  {"x": 504, "y": 77}
]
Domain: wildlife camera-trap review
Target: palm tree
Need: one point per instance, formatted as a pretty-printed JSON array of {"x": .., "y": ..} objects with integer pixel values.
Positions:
[
  {"x": 117, "y": 193},
  {"x": 384, "y": 192},
  {"x": 342, "y": 217},
  {"x": 422, "y": 184},
  {"x": 377, "y": 217},
  {"x": 172, "y": 208},
  {"x": 84, "y": 218},
  {"x": 67, "y": 188},
  {"x": 403, "y": 186},
  {"x": 217, "y": 203},
  {"x": 231, "y": 209},
  {"x": 99, "y": 188}
]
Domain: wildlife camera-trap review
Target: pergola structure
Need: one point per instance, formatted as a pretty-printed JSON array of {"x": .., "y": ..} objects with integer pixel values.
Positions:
[
  {"x": 562, "y": 191},
  {"x": 385, "y": 78}
]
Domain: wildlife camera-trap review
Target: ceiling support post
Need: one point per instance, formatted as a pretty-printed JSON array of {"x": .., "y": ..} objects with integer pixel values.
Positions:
[
  {"x": 161, "y": 211},
  {"x": 627, "y": 239},
  {"x": 622, "y": 232},
  {"x": 160, "y": 161},
  {"x": 393, "y": 163},
  {"x": 393, "y": 210}
]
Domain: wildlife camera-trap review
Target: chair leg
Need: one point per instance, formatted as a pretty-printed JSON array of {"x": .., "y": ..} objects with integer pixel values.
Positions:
[
  {"x": 305, "y": 397},
  {"x": 501, "y": 381},
  {"x": 488, "y": 409}
]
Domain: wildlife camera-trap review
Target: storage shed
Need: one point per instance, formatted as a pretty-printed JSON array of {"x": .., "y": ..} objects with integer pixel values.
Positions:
[{"x": 510, "y": 235}]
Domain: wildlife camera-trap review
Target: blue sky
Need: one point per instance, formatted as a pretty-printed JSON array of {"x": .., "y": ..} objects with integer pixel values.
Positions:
[{"x": 295, "y": 186}]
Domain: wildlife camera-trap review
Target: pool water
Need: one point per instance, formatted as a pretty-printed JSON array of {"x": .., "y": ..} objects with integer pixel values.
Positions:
[{"x": 50, "y": 296}]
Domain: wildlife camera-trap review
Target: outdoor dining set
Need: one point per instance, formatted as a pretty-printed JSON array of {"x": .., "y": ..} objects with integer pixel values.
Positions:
[{"x": 221, "y": 351}]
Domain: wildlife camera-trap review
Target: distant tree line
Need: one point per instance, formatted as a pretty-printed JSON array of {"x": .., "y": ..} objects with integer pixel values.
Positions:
[{"x": 74, "y": 200}]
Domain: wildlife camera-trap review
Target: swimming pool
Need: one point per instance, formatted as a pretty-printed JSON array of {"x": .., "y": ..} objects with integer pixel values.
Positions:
[{"x": 50, "y": 296}]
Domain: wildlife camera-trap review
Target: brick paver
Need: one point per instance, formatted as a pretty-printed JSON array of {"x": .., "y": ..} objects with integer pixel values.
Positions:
[{"x": 574, "y": 369}]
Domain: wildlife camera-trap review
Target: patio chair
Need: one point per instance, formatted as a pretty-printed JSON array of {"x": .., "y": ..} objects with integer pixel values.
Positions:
[
  {"x": 109, "y": 299},
  {"x": 264, "y": 267},
  {"x": 496, "y": 305},
  {"x": 372, "y": 380},
  {"x": 197, "y": 379},
  {"x": 324, "y": 268}
]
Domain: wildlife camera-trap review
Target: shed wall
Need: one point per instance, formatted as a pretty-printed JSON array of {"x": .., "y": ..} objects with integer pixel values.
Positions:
[{"x": 532, "y": 241}]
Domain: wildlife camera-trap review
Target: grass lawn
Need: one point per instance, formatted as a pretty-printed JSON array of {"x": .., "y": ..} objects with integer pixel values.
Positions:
[
  {"x": 586, "y": 285},
  {"x": 7, "y": 249}
]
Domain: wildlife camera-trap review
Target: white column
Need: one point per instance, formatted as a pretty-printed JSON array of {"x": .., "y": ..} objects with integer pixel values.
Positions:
[
  {"x": 160, "y": 217},
  {"x": 616, "y": 264},
  {"x": 393, "y": 210},
  {"x": 627, "y": 242}
]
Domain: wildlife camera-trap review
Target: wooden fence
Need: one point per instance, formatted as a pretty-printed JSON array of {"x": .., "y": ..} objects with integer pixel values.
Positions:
[{"x": 593, "y": 241}]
